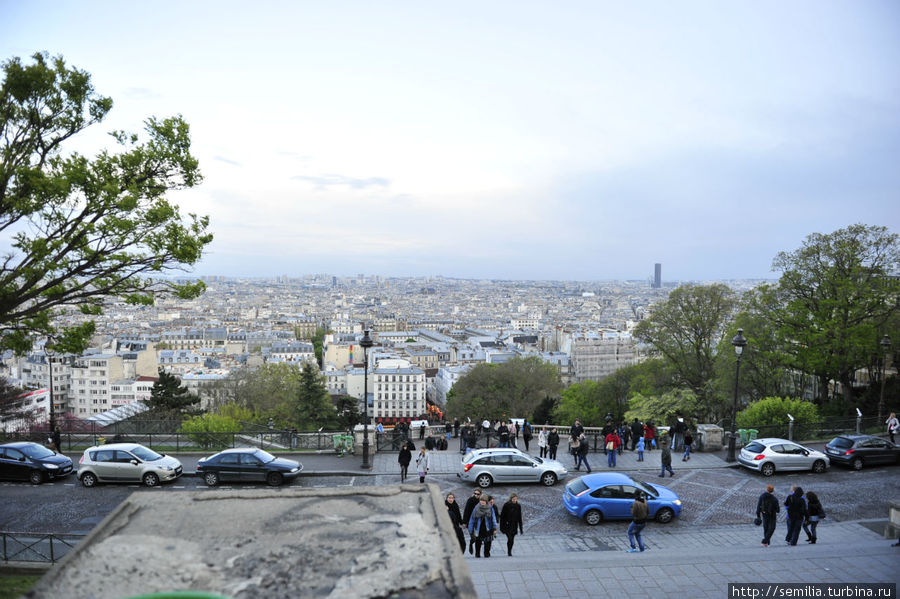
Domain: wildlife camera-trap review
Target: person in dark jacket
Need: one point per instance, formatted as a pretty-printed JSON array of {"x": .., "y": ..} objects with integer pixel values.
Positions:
[
  {"x": 583, "y": 448},
  {"x": 814, "y": 513},
  {"x": 637, "y": 432},
  {"x": 526, "y": 434},
  {"x": 552, "y": 443},
  {"x": 56, "y": 439},
  {"x": 471, "y": 502},
  {"x": 483, "y": 527},
  {"x": 767, "y": 509},
  {"x": 640, "y": 511},
  {"x": 456, "y": 520},
  {"x": 511, "y": 521},
  {"x": 404, "y": 459},
  {"x": 796, "y": 514},
  {"x": 665, "y": 457}
]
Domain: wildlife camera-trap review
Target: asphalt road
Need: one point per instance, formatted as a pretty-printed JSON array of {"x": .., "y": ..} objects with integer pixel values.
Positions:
[{"x": 714, "y": 496}]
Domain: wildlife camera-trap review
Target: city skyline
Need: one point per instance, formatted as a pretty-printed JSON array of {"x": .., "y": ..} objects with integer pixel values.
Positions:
[{"x": 517, "y": 141}]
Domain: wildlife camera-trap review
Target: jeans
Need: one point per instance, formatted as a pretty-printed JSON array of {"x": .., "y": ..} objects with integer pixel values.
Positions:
[
  {"x": 611, "y": 459},
  {"x": 503, "y": 444},
  {"x": 663, "y": 468},
  {"x": 634, "y": 532},
  {"x": 584, "y": 461},
  {"x": 809, "y": 527},
  {"x": 640, "y": 456},
  {"x": 793, "y": 532},
  {"x": 687, "y": 451}
]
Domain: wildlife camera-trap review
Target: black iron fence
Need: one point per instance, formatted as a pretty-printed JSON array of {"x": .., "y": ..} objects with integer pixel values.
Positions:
[{"x": 36, "y": 547}]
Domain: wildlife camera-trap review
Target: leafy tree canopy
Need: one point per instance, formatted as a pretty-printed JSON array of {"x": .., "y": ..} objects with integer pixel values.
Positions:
[
  {"x": 168, "y": 396},
  {"x": 773, "y": 411},
  {"x": 586, "y": 402},
  {"x": 80, "y": 228},
  {"x": 662, "y": 409}
]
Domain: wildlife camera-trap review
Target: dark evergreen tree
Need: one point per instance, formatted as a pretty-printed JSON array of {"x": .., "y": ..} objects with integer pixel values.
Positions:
[
  {"x": 313, "y": 408},
  {"x": 169, "y": 397}
]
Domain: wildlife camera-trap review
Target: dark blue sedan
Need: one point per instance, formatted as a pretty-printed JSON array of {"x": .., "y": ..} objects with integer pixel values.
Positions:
[
  {"x": 609, "y": 495},
  {"x": 247, "y": 464},
  {"x": 32, "y": 462}
]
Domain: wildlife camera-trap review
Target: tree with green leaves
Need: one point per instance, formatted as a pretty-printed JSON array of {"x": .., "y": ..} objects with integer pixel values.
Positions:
[
  {"x": 586, "y": 402},
  {"x": 313, "y": 408},
  {"x": 317, "y": 339},
  {"x": 770, "y": 414},
  {"x": 210, "y": 429},
  {"x": 169, "y": 397},
  {"x": 82, "y": 229},
  {"x": 347, "y": 409},
  {"x": 504, "y": 390},
  {"x": 664, "y": 408},
  {"x": 686, "y": 330},
  {"x": 830, "y": 307}
]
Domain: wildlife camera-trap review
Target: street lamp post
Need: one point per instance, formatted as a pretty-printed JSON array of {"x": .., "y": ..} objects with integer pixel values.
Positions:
[
  {"x": 886, "y": 346},
  {"x": 50, "y": 369},
  {"x": 738, "y": 342},
  {"x": 366, "y": 343}
]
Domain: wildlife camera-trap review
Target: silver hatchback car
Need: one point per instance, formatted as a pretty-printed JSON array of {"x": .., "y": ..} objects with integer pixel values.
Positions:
[
  {"x": 485, "y": 467},
  {"x": 126, "y": 462},
  {"x": 770, "y": 455}
]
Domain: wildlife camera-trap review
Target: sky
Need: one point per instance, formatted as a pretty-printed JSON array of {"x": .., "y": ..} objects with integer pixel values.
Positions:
[{"x": 508, "y": 139}]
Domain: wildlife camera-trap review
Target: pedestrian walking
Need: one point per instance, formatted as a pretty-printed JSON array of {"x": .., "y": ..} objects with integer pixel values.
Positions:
[
  {"x": 455, "y": 428},
  {"x": 552, "y": 443},
  {"x": 767, "y": 509},
  {"x": 688, "y": 443},
  {"x": 471, "y": 504},
  {"x": 814, "y": 513},
  {"x": 677, "y": 431},
  {"x": 893, "y": 425},
  {"x": 639, "y": 513},
  {"x": 456, "y": 520},
  {"x": 583, "y": 449},
  {"x": 56, "y": 439},
  {"x": 423, "y": 464},
  {"x": 542, "y": 442},
  {"x": 649, "y": 434},
  {"x": 573, "y": 449},
  {"x": 483, "y": 527},
  {"x": 511, "y": 521},
  {"x": 576, "y": 429},
  {"x": 612, "y": 448},
  {"x": 640, "y": 449},
  {"x": 665, "y": 458},
  {"x": 796, "y": 514},
  {"x": 404, "y": 458},
  {"x": 624, "y": 432},
  {"x": 503, "y": 434}
]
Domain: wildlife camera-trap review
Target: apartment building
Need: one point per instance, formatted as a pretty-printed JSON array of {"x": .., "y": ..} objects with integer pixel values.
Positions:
[
  {"x": 398, "y": 394},
  {"x": 596, "y": 356}
]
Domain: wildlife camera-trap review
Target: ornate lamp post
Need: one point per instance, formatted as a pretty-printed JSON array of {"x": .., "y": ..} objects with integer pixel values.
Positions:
[
  {"x": 366, "y": 342},
  {"x": 738, "y": 342},
  {"x": 886, "y": 347}
]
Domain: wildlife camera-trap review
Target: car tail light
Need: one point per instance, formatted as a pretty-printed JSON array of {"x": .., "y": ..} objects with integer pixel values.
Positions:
[
  {"x": 849, "y": 452},
  {"x": 759, "y": 457},
  {"x": 467, "y": 467}
]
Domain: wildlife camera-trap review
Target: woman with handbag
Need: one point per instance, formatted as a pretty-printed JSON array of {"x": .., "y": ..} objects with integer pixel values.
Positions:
[{"x": 814, "y": 513}]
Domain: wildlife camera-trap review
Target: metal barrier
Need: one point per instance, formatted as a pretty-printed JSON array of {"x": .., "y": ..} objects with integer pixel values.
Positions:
[{"x": 36, "y": 547}]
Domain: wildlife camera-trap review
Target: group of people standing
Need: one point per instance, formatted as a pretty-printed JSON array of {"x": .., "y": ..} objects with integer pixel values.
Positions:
[
  {"x": 802, "y": 512},
  {"x": 483, "y": 521}
]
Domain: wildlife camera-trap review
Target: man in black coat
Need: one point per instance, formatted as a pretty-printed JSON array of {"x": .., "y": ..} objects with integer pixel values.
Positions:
[
  {"x": 467, "y": 514},
  {"x": 767, "y": 509},
  {"x": 637, "y": 431}
]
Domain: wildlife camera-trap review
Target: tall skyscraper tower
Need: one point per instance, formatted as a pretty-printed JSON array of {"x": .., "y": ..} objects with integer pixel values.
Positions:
[{"x": 657, "y": 276}]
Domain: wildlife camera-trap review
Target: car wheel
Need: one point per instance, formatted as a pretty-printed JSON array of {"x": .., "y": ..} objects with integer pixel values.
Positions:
[
  {"x": 211, "y": 479},
  {"x": 857, "y": 463},
  {"x": 593, "y": 517},
  {"x": 768, "y": 469},
  {"x": 274, "y": 479},
  {"x": 88, "y": 479},
  {"x": 819, "y": 466},
  {"x": 664, "y": 515},
  {"x": 548, "y": 479},
  {"x": 151, "y": 479},
  {"x": 484, "y": 481},
  {"x": 36, "y": 477}
]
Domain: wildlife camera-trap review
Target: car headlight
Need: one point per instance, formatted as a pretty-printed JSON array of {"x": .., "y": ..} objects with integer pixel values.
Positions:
[
  {"x": 169, "y": 468},
  {"x": 51, "y": 466},
  {"x": 295, "y": 469}
]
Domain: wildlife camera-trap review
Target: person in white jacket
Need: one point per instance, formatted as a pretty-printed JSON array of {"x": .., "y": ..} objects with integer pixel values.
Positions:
[
  {"x": 423, "y": 464},
  {"x": 893, "y": 425},
  {"x": 542, "y": 441}
]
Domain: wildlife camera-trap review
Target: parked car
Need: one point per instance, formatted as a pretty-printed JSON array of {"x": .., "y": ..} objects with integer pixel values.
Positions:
[
  {"x": 485, "y": 467},
  {"x": 858, "y": 451},
  {"x": 247, "y": 464},
  {"x": 770, "y": 455},
  {"x": 609, "y": 495},
  {"x": 126, "y": 462},
  {"x": 32, "y": 462}
]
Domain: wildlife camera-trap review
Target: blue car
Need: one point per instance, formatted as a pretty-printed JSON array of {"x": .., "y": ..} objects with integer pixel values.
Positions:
[{"x": 609, "y": 495}]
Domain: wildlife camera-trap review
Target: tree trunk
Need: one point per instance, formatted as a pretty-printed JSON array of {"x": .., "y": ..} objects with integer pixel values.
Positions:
[{"x": 823, "y": 390}]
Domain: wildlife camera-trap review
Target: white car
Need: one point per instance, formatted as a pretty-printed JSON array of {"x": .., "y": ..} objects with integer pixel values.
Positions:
[
  {"x": 126, "y": 462},
  {"x": 770, "y": 455},
  {"x": 485, "y": 467}
]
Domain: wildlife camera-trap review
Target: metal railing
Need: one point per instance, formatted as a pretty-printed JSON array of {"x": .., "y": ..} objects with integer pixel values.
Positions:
[{"x": 36, "y": 547}]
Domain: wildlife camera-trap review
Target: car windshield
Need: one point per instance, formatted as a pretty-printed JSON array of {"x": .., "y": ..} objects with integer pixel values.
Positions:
[
  {"x": 263, "y": 456},
  {"x": 646, "y": 488},
  {"x": 755, "y": 447},
  {"x": 842, "y": 442},
  {"x": 37, "y": 452},
  {"x": 148, "y": 455}
]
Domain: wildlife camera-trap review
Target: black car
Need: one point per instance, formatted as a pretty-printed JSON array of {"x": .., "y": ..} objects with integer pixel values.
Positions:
[
  {"x": 33, "y": 462},
  {"x": 247, "y": 464},
  {"x": 858, "y": 451}
]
